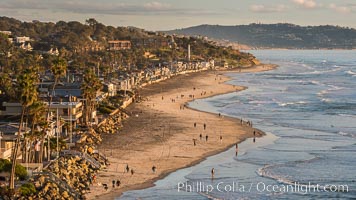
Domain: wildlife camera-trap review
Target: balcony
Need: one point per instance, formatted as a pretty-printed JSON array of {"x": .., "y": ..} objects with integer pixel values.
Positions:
[
  {"x": 74, "y": 117},
  {"x": 5, "y": 153}
]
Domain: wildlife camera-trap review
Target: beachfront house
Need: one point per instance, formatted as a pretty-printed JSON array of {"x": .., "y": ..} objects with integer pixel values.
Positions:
[
  {"x": 109, "y": 88},
  {"x": 165, "y": 72},
  {"x": 66, "y": 110},
  {"x": 66, "y": 90},
  {"x": 124, "y": 84},
  {"x": 69, "y": 111},
  {"x": 8, "y": 135}
]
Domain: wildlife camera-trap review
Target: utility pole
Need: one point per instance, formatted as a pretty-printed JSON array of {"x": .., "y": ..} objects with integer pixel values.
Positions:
[
  {"x": 188, "y": 52},
  {"x": 70, "y": 121},
  {"x": 57, "y": 130}
]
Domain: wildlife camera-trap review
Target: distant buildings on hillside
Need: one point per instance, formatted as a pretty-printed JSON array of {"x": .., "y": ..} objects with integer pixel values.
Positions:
[{"x": 117, "y": 45}]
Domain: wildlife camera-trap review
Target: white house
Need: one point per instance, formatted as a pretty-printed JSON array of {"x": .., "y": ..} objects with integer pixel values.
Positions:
[{"x": 21, "y": 40}]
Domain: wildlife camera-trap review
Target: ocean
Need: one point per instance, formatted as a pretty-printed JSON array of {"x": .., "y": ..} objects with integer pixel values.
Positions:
[{"x": 307, "y": 107}]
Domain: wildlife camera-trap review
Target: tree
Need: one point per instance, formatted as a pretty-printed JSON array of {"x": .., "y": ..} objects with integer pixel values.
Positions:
[
  {"x": 27, "y": 189},
  {"x": 20, "y": 171},
  {"x": 5, "y": 49},
  {"x": 90, "y": 86},
  {"x": 6, "y": 86},
  {"x": 59, "y": 68},
  {"x": 37, "y": 113},
  {"x": 27, "y": 90},
  {"x": 92, "y": 23}
]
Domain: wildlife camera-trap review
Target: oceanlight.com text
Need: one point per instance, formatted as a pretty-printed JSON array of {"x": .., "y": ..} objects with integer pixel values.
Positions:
[
  {"x": 300, "y": 188},
  {"x": 260, "y": 187}
]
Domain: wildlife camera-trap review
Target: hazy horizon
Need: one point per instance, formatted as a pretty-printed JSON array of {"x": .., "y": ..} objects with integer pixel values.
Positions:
[
  {"x": 191, "y": 25},
  {"x": 159, "y": 15}
]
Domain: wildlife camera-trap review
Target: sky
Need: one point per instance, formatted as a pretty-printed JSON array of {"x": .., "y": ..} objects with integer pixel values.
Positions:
[{"x": 175, "y": 14}]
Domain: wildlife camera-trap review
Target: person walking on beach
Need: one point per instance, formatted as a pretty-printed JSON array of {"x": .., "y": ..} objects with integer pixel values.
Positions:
[
  {"x": 241, "y": 121},
  {"x": 220, "y": 139},
  {"x": 127, "y": 168},
  {"x": 154, "y": 169},
  {"x": 118, "y": 183},
  {"x": 113, "y": 183},
  {"x": 195, "y": 124},
  {"x": 201, "y": 136},
  {"x": 236, "y": 149},
  {"x": 212, "y": 173},
  {"x": 206, "y": 138},
  {"x": 105, "y": 186},
  {"x": 254, "y": 140},
  {"x": 254, "y": 133},
  {"x": 194, "y": 142},
  {"x": 132, "y": 172},
  {"x": 204, "y": 126}
]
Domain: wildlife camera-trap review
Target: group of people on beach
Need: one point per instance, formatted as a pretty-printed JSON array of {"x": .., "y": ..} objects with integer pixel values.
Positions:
[
  {"x": 117, "y": 183},
  {"x": 204, "y": 125},
  {"x": 248, "y": 123},
  {"x": 200, "y": 135},
  {"x": 127, "y": 170}
]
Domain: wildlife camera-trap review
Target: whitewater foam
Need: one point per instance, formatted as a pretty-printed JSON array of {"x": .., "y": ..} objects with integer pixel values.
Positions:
[
  {"x": 346, "y": 134},
  {"x": 292, "y": 103}
]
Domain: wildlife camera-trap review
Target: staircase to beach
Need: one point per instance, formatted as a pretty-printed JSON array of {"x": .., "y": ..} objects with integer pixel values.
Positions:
[{"x": 94, "y": 163}]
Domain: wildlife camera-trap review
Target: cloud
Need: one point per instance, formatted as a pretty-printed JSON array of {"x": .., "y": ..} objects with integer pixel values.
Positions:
[
  {"x": 157, "y": 6},
  {"x": 97, "y": 7},
  {"x": 268, "y": 9},
  {"x": 306, "y": 3},
  {"x": 340, "y": 9}
]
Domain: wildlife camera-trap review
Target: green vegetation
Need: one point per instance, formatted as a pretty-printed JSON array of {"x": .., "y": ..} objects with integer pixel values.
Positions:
[
  {"x": 85, "y": 46},
  {"x": 105, "y": 110},
  {"x": 27, "y": 189},
  {"x": 84, "y": 55},
  {"x": 90, "y": 86},
  {"x": 20, "y": 171},
  {"x": 279, "y": 35},
  {"x": 5, "y": 165}
]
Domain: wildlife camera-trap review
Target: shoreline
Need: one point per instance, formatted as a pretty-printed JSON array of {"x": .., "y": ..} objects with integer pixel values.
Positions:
[{"x": 137, "y": 149}]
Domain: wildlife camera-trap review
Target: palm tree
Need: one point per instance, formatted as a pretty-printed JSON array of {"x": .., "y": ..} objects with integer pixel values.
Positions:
[
  {"x": 6, "y": 86},
  {"x": 27, "y": 89},
  {"x": 37, "y": 113},
  {"x": 90, "y": 86},
  {"x": 59, "y": 68}
]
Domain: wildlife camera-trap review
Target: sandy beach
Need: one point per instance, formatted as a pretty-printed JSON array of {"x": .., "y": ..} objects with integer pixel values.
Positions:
[{"x": 161, "y": 133}]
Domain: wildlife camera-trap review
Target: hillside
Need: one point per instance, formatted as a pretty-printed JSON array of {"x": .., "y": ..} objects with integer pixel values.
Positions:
[
  {"x": 278, "y": 35},
  {"x": 86, "y": 45}
]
